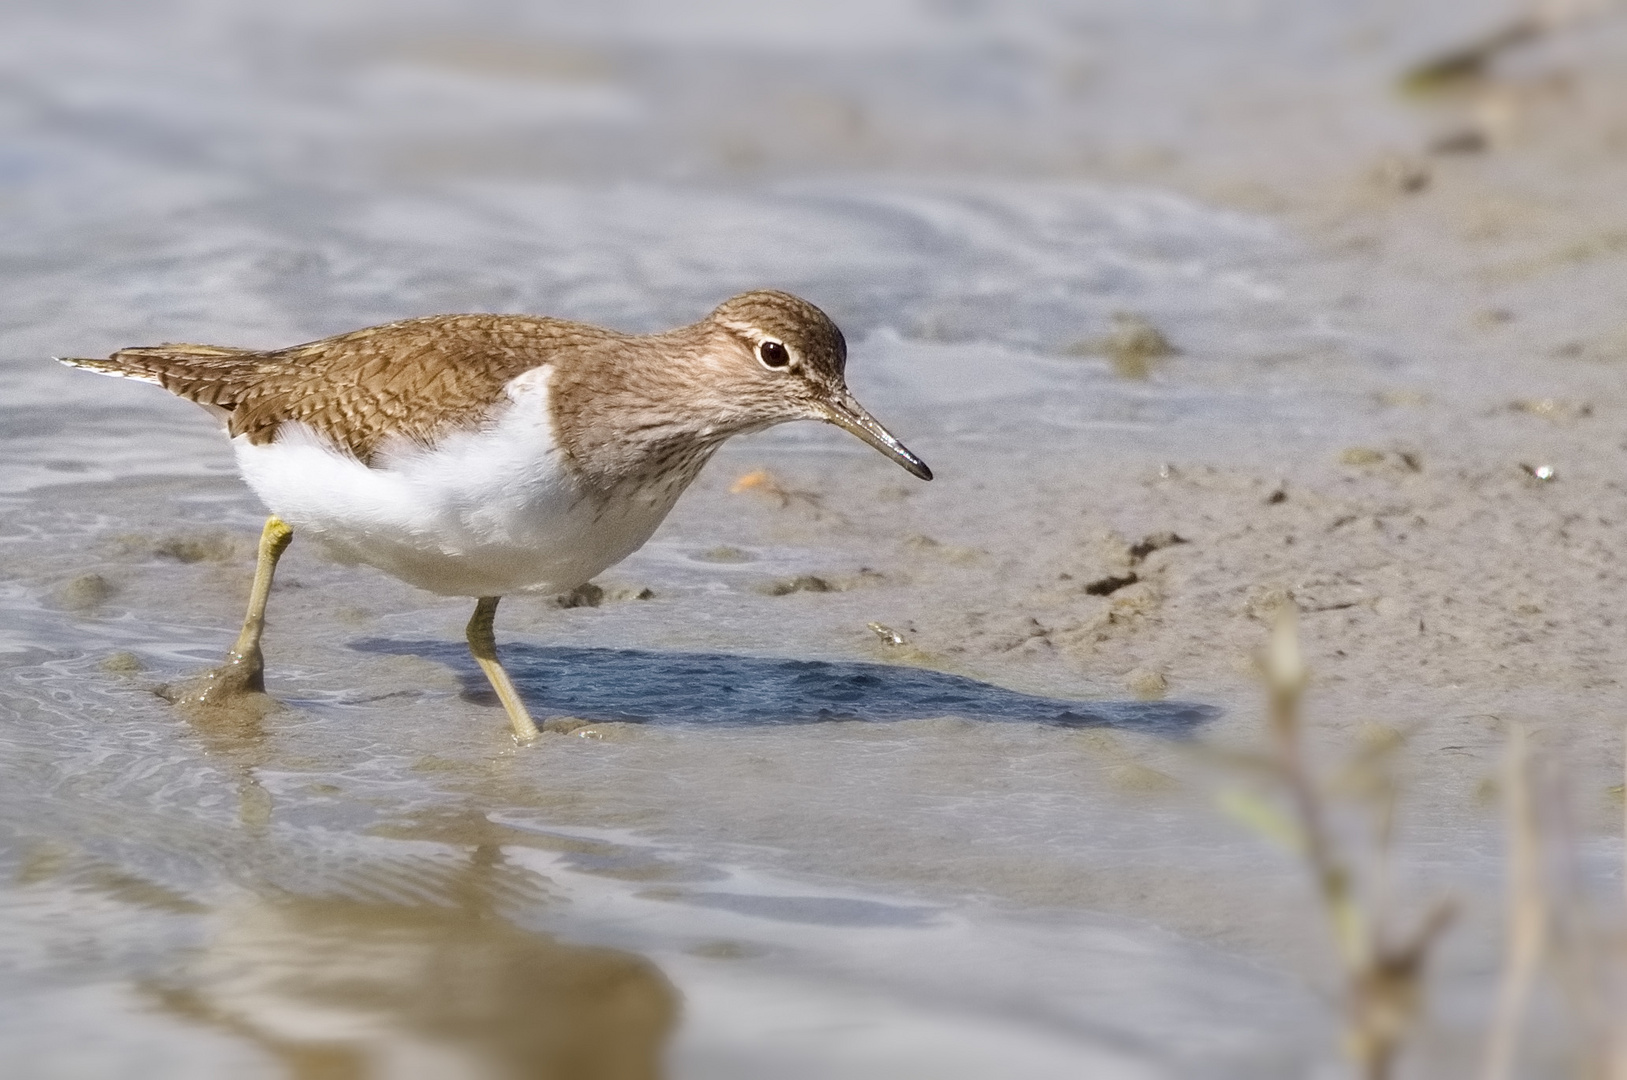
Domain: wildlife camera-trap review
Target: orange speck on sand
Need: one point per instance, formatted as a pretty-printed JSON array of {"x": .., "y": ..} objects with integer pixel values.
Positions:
[{"x": 760, "y": 480}]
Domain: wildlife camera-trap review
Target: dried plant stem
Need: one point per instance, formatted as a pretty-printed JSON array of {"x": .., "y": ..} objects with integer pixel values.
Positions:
[
  {"x": 1383, "y": 980},
  {"x": 1332, "y": 877},
  {"x": 1527, "y": 911}
]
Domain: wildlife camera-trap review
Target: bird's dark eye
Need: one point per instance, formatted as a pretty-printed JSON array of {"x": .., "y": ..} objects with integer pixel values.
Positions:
[{"x": 773, "y": 354}]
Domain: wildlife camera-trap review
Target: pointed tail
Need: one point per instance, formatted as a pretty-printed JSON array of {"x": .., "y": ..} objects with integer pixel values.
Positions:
[
  {"x": 206, "y": 374},
  {"x": 152, "y": 363}
]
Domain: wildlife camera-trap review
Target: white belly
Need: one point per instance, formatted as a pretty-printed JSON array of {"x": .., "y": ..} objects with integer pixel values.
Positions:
[{"x": 482, "y": 514}]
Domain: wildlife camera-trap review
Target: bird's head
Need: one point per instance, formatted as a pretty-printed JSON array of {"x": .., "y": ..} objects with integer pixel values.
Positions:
[{"x": 779, "y": 358}]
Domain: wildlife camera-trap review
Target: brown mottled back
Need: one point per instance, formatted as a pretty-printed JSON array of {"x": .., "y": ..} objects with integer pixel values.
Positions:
[{"x": 415, "y": 379}]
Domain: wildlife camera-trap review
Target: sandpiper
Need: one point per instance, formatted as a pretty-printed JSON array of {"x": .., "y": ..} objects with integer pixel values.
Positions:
[{"x": 478, "y": 455}]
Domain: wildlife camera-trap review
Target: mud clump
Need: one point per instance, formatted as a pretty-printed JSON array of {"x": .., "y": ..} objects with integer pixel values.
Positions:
[
  {"x": 1154, "y": 542},
  {"x": 216, "y": 547},
  {"x": 1468, "y": 64},
  {"x": 1131, "y": 346},
  {"x": 1551, "y": 409},
  {"x": 122, "y": 663},
  {"x": 1131, "y": 776},
  {"x": 592, "y": 730},
  {"x": 1263, "y": 602},
  {"x": 1146, "y": 684},
  {"x": 864, "y": 577},
  {"x": 571, "y": 725},
  {"x": 588, "y": 595},
  {"x": 354, "y": 616},
  {"x": 230, "y": 695},
  {"x": 800, "y": 583},
  {"x": 205, "y": 547},
  {"x": 1360, "y": 455},
  {"x": 1112, "y": 583},
  {"x": 724, "y": 553},
  {"x": 950, "y": 553},
  {"x": 85, "y": 592},
  {"x": 591, "y": 595}
]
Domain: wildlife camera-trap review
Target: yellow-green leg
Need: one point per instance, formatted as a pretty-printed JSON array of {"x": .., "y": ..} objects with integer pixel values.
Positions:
[
  {"x": 246, "y": 655},
  {"x": 483, "y": 645},
  {"x": 244, "y": 671}
]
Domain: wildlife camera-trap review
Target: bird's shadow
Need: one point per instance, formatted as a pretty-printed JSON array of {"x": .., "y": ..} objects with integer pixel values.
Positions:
[{"x": 642, "y": 687}]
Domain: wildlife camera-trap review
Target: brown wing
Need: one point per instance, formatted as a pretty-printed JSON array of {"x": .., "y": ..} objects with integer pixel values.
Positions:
[{"x": 416, "y": 379}]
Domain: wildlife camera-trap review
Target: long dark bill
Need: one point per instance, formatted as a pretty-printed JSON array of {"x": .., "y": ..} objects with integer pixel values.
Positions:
[{"x": 849, "y": 415}]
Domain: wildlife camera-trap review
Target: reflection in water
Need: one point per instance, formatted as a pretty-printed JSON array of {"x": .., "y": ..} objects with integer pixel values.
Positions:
[
  {"x": 233, "y": 731},
  {"x": 338, "y": 989},
  {"x": 641, "y": 686}
]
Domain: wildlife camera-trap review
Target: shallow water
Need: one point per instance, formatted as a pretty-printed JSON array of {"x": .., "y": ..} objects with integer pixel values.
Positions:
[{"x": 799, "y": 850}]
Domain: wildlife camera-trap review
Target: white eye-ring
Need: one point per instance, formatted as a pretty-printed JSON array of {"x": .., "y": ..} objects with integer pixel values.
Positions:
[{"x": 773, "y": 354}]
